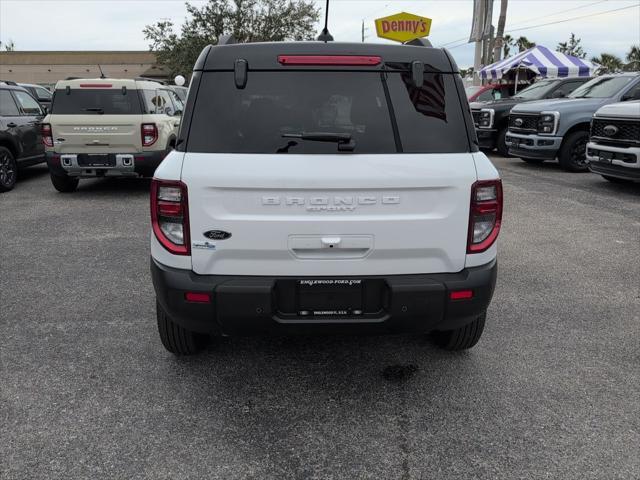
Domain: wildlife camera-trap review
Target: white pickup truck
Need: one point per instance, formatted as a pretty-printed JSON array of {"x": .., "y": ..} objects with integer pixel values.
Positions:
[
  {"x": 324, "y": 187},
  {"x": 613, "y": 150}
]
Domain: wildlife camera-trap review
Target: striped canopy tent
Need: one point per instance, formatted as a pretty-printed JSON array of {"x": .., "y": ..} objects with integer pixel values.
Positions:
[{"x": 542, "y": 62}]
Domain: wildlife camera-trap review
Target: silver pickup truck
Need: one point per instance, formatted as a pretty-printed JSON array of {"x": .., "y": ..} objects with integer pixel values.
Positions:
[{"x": 547, "y": 129}]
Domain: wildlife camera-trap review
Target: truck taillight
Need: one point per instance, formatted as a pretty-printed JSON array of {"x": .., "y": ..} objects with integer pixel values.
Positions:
[
  {"x": 170, "y": 215},
  {"x": 47, "y": 134},
  {"x": 149, "y": 133},
  {"x": 485, "y": 215}
]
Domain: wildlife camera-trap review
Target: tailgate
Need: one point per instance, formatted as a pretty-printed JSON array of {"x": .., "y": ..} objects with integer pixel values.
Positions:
[
  {"x": 97, "y": 133},
  {"x": 314, "y": 215}
]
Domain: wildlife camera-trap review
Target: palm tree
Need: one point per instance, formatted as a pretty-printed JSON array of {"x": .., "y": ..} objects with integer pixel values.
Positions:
[
  {"x": 609, "y": 63},
  {"x": 523, "y": 44},
  {"x": 633, "y": 59},
  {"x": 507, "y": 43}
]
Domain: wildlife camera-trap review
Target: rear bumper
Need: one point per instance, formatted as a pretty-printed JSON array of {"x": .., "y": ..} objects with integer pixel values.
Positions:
[
  {"x": 126, "y": 165},
  {"x": 533, "y": 146},
  {"x": 253, "y": 305}
]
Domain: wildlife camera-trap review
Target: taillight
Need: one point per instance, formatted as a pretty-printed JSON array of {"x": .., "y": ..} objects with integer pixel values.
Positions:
[
  {"x": 485, "y": 215},
  {"x": 47, "y": 134},
  {"x": 170, "y": 215},
  {"x": 149, "y": 133}
]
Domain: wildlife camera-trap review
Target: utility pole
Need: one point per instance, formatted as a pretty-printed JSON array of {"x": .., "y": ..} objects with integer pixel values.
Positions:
[
  {"x": 364, "y": 29},
  {"x": 502, "y": 20},
  {"x": 477, "y": 59}
]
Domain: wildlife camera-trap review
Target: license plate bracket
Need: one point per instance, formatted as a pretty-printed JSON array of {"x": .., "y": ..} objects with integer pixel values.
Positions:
[
  {"x": 329, "y": 297},
  {"x": 96, "y": 160}
]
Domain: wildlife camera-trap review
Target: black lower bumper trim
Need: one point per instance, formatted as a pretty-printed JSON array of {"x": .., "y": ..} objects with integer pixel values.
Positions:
[
  {"x": 541, "y": 154},
  {"x": 617, "y": 171},
  {"x": 145, "y": 162},
  {"x": 254, "y": 305}
]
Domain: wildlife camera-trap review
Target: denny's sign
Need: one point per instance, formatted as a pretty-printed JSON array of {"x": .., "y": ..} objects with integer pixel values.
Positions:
[{"x": 403, "y": 27}]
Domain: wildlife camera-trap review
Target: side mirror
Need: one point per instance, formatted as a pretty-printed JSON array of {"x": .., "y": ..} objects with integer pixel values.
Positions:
[
  {"x": 558, "y": 94},
  {"x": 169, "y": 111},
  {"x": 45, "y": 110},
  {"x": 177, "y": 113}
]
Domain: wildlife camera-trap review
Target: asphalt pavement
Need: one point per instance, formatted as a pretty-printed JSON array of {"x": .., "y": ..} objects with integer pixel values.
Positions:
[{"x": 551, "y": 391}]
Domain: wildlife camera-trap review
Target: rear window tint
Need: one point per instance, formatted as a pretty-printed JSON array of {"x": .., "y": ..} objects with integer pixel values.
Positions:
[
  {"x": 429, "y": 118},
  {"x": 87, "y": 101},
  {"x": 254, "y": 119}
]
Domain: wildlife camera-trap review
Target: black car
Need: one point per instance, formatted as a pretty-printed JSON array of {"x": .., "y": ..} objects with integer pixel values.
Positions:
[
  {"x": 491, "y": 118},
  {"x": 20, "y": 137}
]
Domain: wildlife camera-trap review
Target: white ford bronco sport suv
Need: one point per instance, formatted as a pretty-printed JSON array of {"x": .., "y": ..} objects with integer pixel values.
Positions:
[
  {"x": 324, "y": 187},
  {"x": 108, "y": 127}
]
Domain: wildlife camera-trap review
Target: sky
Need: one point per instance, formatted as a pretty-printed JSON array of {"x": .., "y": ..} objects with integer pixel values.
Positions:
[{"x": 118, "y": 24}]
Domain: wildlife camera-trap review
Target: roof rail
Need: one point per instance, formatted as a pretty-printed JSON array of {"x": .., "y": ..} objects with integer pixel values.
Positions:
[
  {"x": 147, "y": 79},
  {"x": 419, "y": 42},
  {"x": 226, "y": 40},
  {"x": 9, "y": 82}
]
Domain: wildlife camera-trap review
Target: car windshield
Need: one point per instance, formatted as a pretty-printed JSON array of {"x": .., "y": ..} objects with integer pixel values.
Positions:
[
  {"x": 471, "y": 91},
  {"x": 88, "y": 101},
  {"x": 536, "y": 91},
  {"x": 327, "y": 112},
  {"x": 603, "y": 87}
]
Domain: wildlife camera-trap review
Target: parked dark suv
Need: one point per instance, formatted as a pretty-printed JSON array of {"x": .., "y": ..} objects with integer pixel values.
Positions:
[
  {"x": 20, "y": 138},
  {"x": 491, "y": 119}
]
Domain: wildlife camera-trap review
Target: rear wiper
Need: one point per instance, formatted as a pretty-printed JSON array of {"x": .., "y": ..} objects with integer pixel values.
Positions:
[
  {"x": 345, "y": 142},
  {"x": 99, "y": 111}
]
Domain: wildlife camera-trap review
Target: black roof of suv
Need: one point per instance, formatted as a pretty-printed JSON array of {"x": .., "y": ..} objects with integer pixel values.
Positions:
[
  {"x": 421, "y": 113},
  {"x": 261, "y": 56}
]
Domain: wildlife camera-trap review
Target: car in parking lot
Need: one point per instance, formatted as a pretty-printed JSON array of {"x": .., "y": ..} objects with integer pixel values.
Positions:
[
  {"x": 544, "y": 130},
  {"x": 20, "y": 141},
  {"x": 489, "y": 92},
  {"x": 109, "y": 128},
  {"x": 613, "y": 150},
  {"x": 40, "y": 93},
  {"x": 324, "y": 187},
  {"x": 491, "y": 119}
]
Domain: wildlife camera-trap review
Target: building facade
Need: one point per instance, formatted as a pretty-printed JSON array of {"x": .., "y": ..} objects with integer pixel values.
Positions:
[{"x": 47, "y": 67}]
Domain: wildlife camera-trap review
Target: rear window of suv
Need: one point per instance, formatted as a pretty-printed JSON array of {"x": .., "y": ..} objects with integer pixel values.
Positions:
[
  {"x": 96, "y": 101},
  {"x": 383, "y": 113}
]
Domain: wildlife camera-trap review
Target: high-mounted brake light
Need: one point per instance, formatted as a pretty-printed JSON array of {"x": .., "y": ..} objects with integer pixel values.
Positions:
[
  {"x": 170, "y": 215},
  {"x": 343, "y": 60},
  {"x": 47, "y": 134},
  {"x": 485, "y": 215},
  {"x": 96, "y": 85},
  {"x": 149, "y": 134}
]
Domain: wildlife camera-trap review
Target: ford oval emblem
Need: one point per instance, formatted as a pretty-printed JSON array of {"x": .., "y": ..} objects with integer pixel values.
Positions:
[
  {"x": 518, "y": 122},
  {"x": 217, "y": 234},
  {"x": 610, "y": 130}
]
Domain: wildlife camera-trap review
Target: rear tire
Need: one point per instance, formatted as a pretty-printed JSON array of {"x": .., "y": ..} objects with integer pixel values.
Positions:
[
  {"x": 175, "y": 338},
  {"x": 573, "y": 152},
  {"x": 8, "y": 170},
  {"x": 616, "y": 179},
  {"x": 501, "y": 143},
  {"x": 64, "y": 183},
  {"x": 461, "y": 338},
  {"x": 533, "y": 161}
]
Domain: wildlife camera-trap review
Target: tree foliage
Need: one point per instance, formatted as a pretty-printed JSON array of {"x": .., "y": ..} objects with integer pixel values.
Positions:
[
  {"x": 523, "y": 43},
  {"x": 609, "y": 63},
  {"x": 247, "y": 20},
  {"x": 572, "y": 47},
  {"x": 9, "y": 46},
  {"x": 633, "y": 59}
]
